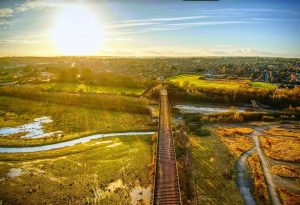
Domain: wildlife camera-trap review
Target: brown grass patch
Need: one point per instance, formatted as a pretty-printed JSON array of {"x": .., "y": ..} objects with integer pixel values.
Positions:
[
  {"x": 260, "y": 188},
  {"x": 281, "y": 149},
  {"x": 283, "y": 132},
  {"x": 234, "y": 140},
  {"x": 234, "y": 131},
  {"x": 288, "y": 198},
  {"x": 285, "y": 171}
]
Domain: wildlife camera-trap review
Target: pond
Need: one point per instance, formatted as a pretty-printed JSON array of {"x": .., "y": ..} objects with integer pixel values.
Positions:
[{"x": 204, "y": 109}]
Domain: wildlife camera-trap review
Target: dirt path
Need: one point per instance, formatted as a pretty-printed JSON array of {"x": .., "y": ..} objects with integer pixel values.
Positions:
[
  {"x": 243, "y": 179},
  {"x": 266, "y": 167}
]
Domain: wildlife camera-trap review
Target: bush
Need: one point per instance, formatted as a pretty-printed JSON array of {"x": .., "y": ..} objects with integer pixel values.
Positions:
[
  {"x": 268, "y": 118},
  {"x": 203, "y": 132}
]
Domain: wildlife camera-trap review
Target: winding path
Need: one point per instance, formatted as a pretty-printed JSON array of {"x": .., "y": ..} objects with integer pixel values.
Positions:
[{"x": 243, "y": 179}]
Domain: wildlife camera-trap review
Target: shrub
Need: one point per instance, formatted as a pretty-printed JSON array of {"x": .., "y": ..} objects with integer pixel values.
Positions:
[{"x": 268, "y": 118}]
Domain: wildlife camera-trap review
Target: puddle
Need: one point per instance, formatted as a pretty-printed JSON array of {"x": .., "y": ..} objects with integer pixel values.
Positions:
[
  {"x": 14, "y": 172},
  {"x": 33, "y": 130},
  {"x": 204, "y": 109},
  {"x": 139, "y": 194}
]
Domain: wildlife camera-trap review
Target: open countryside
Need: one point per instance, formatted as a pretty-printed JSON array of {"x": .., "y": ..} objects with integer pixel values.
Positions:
[{"x": 149, "y": 103}]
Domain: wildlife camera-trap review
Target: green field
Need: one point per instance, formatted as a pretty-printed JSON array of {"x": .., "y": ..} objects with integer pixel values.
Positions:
[
  {"x": 263, "y": 85},
  {"x": 84, "y": 88},
  {"x": 211, "y": 159},
  {"x": 74, "y": 121},
  {"x": 201, "y": 83},
  {"x": 197, "y": 80},
  {"x": 104, "y": 171}
]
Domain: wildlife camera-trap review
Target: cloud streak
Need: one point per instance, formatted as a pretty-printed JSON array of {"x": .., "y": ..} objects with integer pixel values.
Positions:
[
  {"x": 166, "y": 19},
  {"x": 6, "y": 12},
  {"x": 180, "y": 52},
  {"x": 38, "y": 4}
]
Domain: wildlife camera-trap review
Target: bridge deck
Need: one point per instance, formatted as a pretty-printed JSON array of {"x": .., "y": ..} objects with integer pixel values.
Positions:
[{"x": 167, "y": 190}]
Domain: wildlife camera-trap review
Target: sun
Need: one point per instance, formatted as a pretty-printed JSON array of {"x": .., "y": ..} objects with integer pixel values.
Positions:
[{"x": 77, "y": 31}]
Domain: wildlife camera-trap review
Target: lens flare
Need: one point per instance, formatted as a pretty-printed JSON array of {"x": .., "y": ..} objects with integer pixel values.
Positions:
[{"x": 77, "y": 31}]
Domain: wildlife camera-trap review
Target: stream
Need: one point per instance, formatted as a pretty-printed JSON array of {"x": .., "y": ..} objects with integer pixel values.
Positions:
[
  {"x": 205, "y": 109},
  {"x": 67, "y": 143}
]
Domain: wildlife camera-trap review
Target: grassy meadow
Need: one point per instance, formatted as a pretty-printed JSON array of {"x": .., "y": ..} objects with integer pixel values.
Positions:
[
  {"x": 86, "y": 88},
  {"x": 211, "y": 160},
  {"x": 103, "y": 171},
  {"x": 263, "y": 85},
  {"x": 200, "y": 82},
  {"x": 74, "y": 121}
]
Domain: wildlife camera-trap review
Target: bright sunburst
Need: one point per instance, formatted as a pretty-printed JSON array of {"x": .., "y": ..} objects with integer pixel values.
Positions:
[{"x": 77, "y": 31}]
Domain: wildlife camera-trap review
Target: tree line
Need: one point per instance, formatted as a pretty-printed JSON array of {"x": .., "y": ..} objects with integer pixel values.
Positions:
[{"x": 101, "y": 101}]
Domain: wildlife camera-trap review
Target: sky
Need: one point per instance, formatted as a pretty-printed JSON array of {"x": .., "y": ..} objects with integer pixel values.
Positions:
[{"x": 150, "y": 28}]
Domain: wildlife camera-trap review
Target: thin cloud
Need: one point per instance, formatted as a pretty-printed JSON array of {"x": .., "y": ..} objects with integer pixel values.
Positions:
[
  {"x": 6, "y": 12},
  {"x": 38, "y": 4},
  {"x": 165, "y": 19},
  {"x": 167, "y": 27},
  {"x": 4, "y": 24},
  {"x": 207, "y": 23},
  {"x": 131, "y": 25},
  {"x": 180, "y": 52}
]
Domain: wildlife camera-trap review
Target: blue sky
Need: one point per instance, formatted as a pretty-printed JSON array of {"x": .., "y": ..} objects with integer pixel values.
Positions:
[{"x": 160, "y": 27}]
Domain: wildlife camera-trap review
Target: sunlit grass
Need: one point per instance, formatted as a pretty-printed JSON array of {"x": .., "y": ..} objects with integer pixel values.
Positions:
[
  {"x": 74, "y": 121},
  {"x": 72, "y": 175},
  {"x": 209, "y": 166},
  {"x": 85, "y": 88},
  {"x": 199, "y": 81},
  {"x": 263, "y": 85}
]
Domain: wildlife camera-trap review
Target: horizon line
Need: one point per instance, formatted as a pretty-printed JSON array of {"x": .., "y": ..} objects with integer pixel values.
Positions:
[{"x": 147, "y": 56}]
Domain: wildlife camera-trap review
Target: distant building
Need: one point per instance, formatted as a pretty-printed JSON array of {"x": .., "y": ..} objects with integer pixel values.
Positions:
[
  {"x": 293, "y": 78},
  {"x": 266, "y": 76}
]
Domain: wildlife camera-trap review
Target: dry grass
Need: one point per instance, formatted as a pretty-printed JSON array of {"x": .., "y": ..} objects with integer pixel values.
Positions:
[
  {"x": 288, "y": 198},
  {"x": 210, "y": 161},
  {"x": 281, "y": 149},
  {"x": 235, "y": 131},
  {"x": 234, "y": 140},
  {"x": 283, "y": 132},
  {"x": 89, "y": 173},
  {"x": 285, "y": 171},
  {"x": 260, "y": 188}
]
